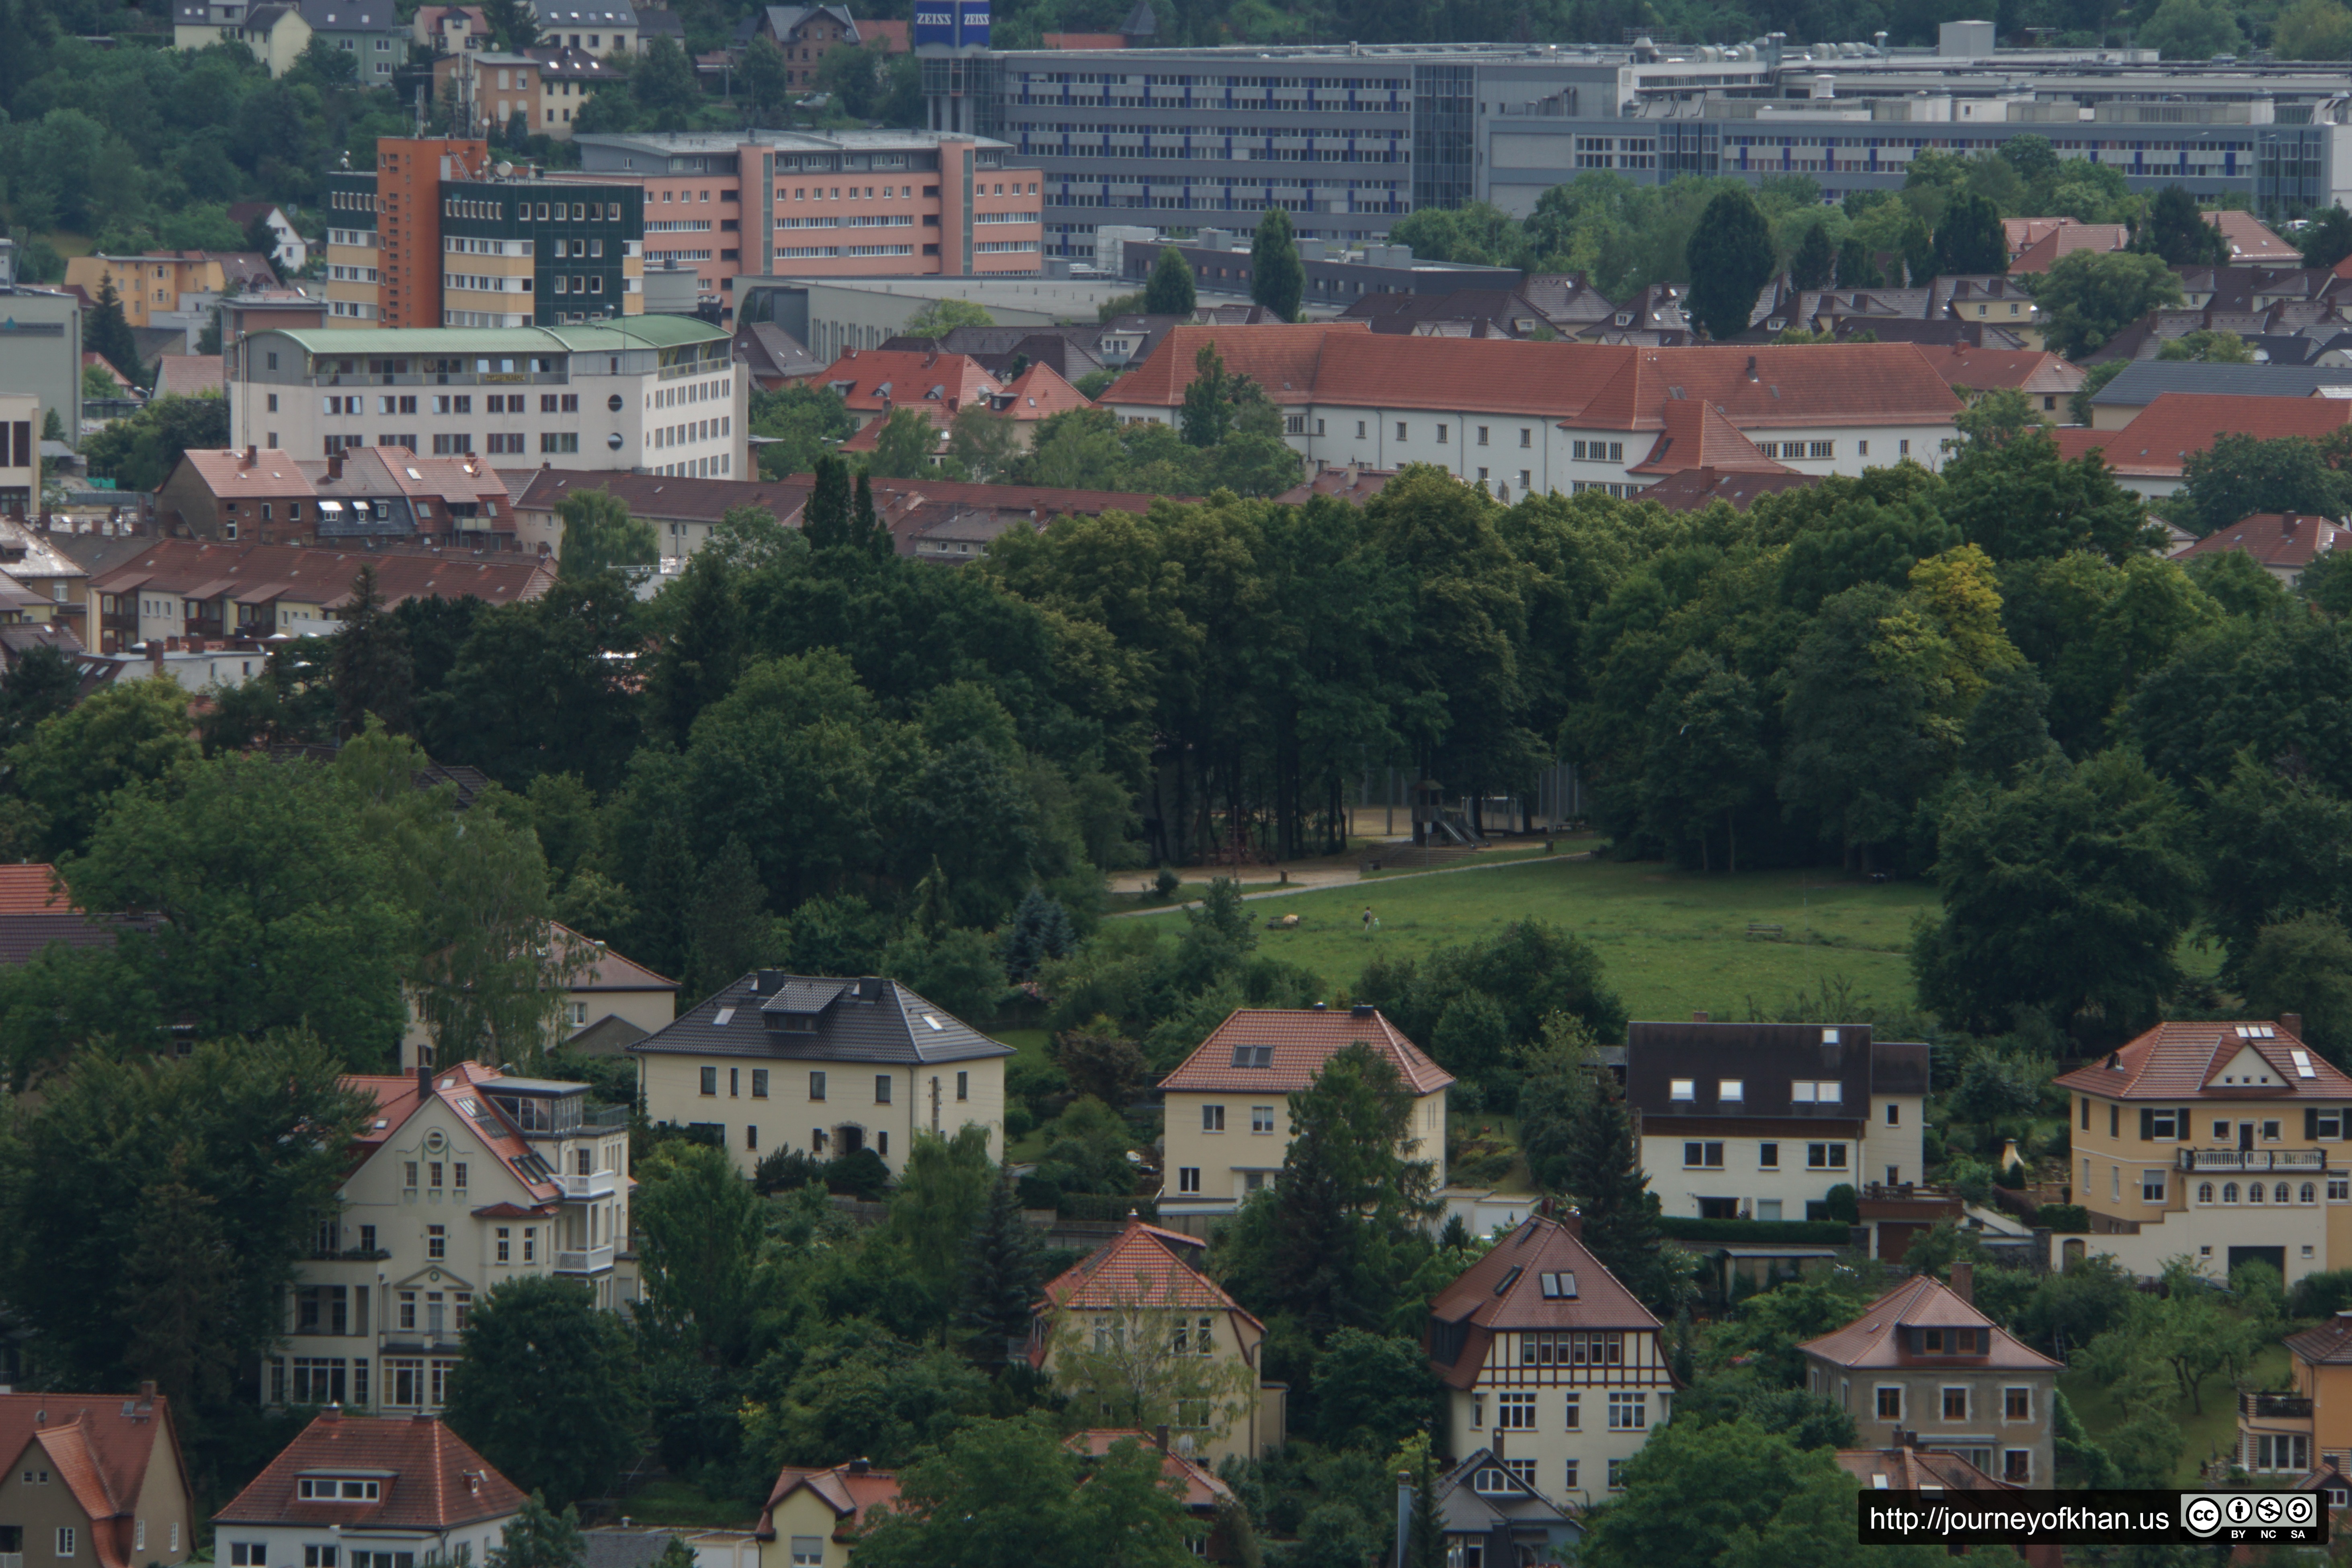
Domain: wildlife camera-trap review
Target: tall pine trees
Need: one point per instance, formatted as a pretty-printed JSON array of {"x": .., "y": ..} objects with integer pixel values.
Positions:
[
  {"x": 1001, "y": 1278},
  {"x": 1731, "y": 258}
]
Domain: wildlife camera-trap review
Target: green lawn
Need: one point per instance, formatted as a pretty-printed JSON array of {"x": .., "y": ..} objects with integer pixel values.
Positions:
[
  {"x": 2216, "y": 1428},
  {"x": 1675, "y": 943},
  {"x": 1028, "y": 1042},
  {"x": 668, "y": 1500}
]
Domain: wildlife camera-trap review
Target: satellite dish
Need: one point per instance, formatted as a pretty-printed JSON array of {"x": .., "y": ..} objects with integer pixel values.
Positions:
[{"x": 504, "y": 170}]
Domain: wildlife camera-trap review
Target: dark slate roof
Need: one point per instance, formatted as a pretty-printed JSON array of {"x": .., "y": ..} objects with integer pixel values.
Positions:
[
  {"x": 2142, "y": 382},
  {"x": 1764, "y": 1058},
  {"x": 866, "y": 1020},
  {"x": 611, "y": 1546},
  {"x": 24, "y": 935}
]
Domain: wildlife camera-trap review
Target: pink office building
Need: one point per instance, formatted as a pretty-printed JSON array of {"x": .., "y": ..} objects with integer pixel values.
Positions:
[{"x": 852, "y": 204}]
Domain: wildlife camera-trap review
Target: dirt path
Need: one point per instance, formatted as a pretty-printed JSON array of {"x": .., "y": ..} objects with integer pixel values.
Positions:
[{"x": 1318, "y": 879}]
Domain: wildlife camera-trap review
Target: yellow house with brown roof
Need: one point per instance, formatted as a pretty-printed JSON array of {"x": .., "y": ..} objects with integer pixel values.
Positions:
[
  {"x": 2221, "y": 1141},
  {"x": 1228, "y": 1105},
  {"x": 812, "y": 1517}
]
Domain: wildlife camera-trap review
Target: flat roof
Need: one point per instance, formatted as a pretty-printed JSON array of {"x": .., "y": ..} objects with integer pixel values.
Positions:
[
  {"x": 629, "y": 332},
  {"x": 782, "y": 140}
]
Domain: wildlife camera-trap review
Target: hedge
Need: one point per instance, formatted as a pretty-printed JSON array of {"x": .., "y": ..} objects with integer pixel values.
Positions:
[{"x": 1809, "y": 1233}]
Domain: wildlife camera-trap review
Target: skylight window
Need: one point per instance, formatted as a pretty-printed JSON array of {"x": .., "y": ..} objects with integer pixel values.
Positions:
[
  {"x": 2302, "y": 1064},
  {"x": 1558, "y": 1286},
  {"x": 933, "y": 1020},
  {"x": 1509, "y": 1279},
  {"x": 1253, "y": 1056},
  {"x": 726, "y": 1017}
]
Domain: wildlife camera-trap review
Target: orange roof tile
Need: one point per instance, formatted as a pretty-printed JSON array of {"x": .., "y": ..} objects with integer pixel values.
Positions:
[
  {"x": 2065, "y": 241},
  {"x": 1916, "y": 1470},
  {"x": 848, "y": 1489},
  {"x": 99, "y": 1446},
  {"x": 2022, "y": 232},
  {"x": 31, "y": 890},
  {"x": 1518, "y": 1285},
  {"x": 436, "y": 1482},
  {"x": 2177, "y": 1061},
  {"x": 1871, "y": 1340},
  {"x": 1297, "y": 1041},
  {"x": 877, "y": 381},
  {"x": 1137, "y": 1268},
  {"x": 457, "y": 1085},
  {"x": 2275, "y": 539},
  {"x": 1982, "y": 369},
  {"x": 2329, "y": 1342},
  {"x": 184, "y": 566},
  {"x": 2160, "y": 439},
  {"x": 228, "y": 475},
  {"x": 1203, "y": 1492},
  {"x": 1280, "y": 359},
  {"x": 1777, "y": 386},
  {"x": 1039, "y": 392},
  {"x": 1697, "y": 435},
  {"x": 2251, "y": 242}
]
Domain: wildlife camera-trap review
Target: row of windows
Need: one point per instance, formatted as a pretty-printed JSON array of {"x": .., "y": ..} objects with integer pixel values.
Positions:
[
  {"x": 818, "y": 1137},
  {"x": 1708, "y": 1156},
  {"x": 1734, "y": 1090},
  {"x": 2176, "y": 1124},
  {"x": 1518, "y": 1413},
  {"x": 1492, "y": 1481},
  {"x": 1578, "y": 1348},
  {"x": 1188, "y": 1180},
  {"x": 816, "y": 1084},
  {"x": 527, "y": 212},
  {"x": 2151, "y": 1190},
  {"x": 1212, "y": 1118},
  {"x": 2016, "y": 1404}
]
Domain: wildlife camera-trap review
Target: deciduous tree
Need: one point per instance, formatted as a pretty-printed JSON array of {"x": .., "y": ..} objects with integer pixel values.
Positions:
[
  {"x": 1170, "y": 292},
  {"x": 1277, "y": 278},
  {"x": 548, "y": 1390},
  {"x": 1730, "y": 259}
]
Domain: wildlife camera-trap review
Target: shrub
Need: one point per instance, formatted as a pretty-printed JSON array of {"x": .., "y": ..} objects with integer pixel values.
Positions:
[
  {"x": 2068, "y": 1219},
  {"x": 1844, "y": 1203}
]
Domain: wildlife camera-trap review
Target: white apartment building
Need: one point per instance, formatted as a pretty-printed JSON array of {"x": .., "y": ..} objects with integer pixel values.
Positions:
[
  {"x": 656, "y": 395},
  {"x": 1544, "y": 417},
  {"x": 466, "y": 1177}
]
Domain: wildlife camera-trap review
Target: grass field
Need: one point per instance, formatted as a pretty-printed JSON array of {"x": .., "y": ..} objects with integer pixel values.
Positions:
[
  {"x": 668, "y": 1500},
  {"x": 2216, "y": 1428},
  {"x": 1675, "y": 942}
]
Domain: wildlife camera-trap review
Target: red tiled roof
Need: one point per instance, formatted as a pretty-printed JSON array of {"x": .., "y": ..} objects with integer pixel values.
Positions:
[
  {"x": 1138, "y": 1267},
  {"x": 849, "y": 1493},
  {"x": 228, "y": 475},
  {"x": 2250, "y": 240},
  {"x": 911, "y": 379},
  {"x": 2192, "y": 1061},
  {"x": 667, "y": 497},
  {"x": 1203, "y": 1492},
  {"x": 2022, "y": 232},
  {"x": 99, "y": 1446},
  {"x": 436, "y": 1482},
  {"x": 1280, "y": 359},
  {"x": 33, "y": 889},
  {"x": 1349, "y": 482},
  {"x": 1039, "y": 392},
  {"x": 1303, "y": 1039},
  {"x": 1920, "y": 1302},
  {"x": 2044, "y": 252},
  {"x": 458, "y": 1086},
  {"x": 2161, "y": 438},
  {"x": 1695, "y": 487},
  {"x": 1697, "y": 435},
  {"x": 1777, "y": 386},
  {"x": 1982, "y": 369},
  {"x": 325, "y": 576},
  {"x": 608, "y": 971},
  {"x": 1504, "y": 1292},
  {"x": 2330, "y": 1342},
  {"x": 1916, "y": 1470},
  {"x": 2275, "y": 539},
  {"x": 186, "y": 375}
]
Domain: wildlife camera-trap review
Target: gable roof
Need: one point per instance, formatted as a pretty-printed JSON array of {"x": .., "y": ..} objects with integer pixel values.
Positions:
[
  {"x": 199, "y": 569},
  {"x": 1301, "y": 1040},
  {"x": 33, "y": 889},
  {"x": 668, "y": 497},
  {"x": 1280, "y": 359},
  {"x": 2327, "y": 1343},
  {"x": 608, "y": 971},
  {"x": 1203, "y": 1492},
  {"x": 1505, "y": 1291},
  {"x": 1918, "y": 1469},
  {"x": 1142, "y": 1265},
  {"x": 2144, "y": 381},
  {"x": 1982, "y": 369},
  {"x": 1697, "y": 435},
  {"x": 878, "y": 381},
  {"x": 2065, "y": 241},
  {"x": 2250, "y": 240},
  {"x": 2275, "y": 539},
  {"x": 466, "y": 1087},
  {"x": 1772, "y": 386},
  {"x": 848, "y": 1489},
  {"x": 187, "y": 375},
  {"x": 1464, "y": 1510},
  {"x": 100, "y": 1445},
  {"x": 1694, "y": 489},
  {"x": 2177, "y": 1061},
  {"x": 1872, "y": 1341},
  {"x": 436, "y": 1483},
  {"x": 2158, "y": 443},
  {"x": 1039, "y": 392},
  {"x": 857, "y": 1020}
]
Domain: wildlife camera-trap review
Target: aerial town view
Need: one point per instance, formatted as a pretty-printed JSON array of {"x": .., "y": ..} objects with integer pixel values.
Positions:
[{"x": 1113, "y": 784}]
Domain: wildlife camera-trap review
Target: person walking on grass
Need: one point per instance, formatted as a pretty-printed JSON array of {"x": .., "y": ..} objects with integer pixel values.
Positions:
[{"x": 1367, "y": 917}]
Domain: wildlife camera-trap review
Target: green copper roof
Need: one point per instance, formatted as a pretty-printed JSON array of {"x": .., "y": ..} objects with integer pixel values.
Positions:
[{"x": 608, "y": 337}]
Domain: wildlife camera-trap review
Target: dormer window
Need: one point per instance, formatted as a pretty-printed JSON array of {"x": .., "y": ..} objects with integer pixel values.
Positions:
[
  {"x": 336, "y": 1488},
  {"x": 1492, "y": 1481}
]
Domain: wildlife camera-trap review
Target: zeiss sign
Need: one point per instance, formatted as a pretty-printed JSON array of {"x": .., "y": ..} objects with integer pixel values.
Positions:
[{"x": 956, "y": 24}]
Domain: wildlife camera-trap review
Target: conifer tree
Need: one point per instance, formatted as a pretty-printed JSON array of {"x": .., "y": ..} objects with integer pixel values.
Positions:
[
  {"x": 826, "y": 521},
  {"x": 108, "y": 335},
  {"x": 372, "y": 669},
  {"x": 1170, "y": 292},
  {"x": 1812, "y": 266},
  {"x": 1001, "y": 1276},
  {"x": 1277, "y": 278},
  {"x": 1730, "y": 256}
]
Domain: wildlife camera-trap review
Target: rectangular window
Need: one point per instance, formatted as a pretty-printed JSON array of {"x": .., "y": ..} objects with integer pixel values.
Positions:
[
  {"x": 531, "y": 1244},
  {"x": 1767, "y": 1156},
  {"x": 2151, "y": 1186},
  {"x": 433, "y": 1173},
  {"x": 436, "y": 1241},
  {"x": 1731, "y": 1091},
  {"x": 1703, "y": 1156},
  {"x": 1442, "y": 429},
  {"x": 759, "y": 1083},
  {"x": 2156, "y": 1124},
  {"x": 963, "y": 1086},
  {"x": 1825, "y": 1156},
  {"x": 506, "y": 1245},
  {"x": 1188, "y": 1178},
  {"x": 1575, "y": 1412},
  {"x": 734, "y": 1083},
  {"x": 1629, "y": 1412},
  {"x": 808, "y": 1550},
  {"x": 1890, "y": 1403},
  {"x": 710, "y": 1080},
  {"x": 1515, "y": 1412},
  {"x": 2016, "y": 1466},
  {"x": 1212, "y": 1118},
  {"x": 881, "y": 1089},
  {"x": 1681, "y": 1088},
  {"x": 1477, "y": 1411},
  {"x": 457, "y": 1176},
  {"x": 1400, "y": 436},
  {"x": 1261, "y": 1118},
  {"x": 1616, "y": 1475},
  {"x": 816, "y": 1086},
  {"x": 2085, "y": 1104},
  {"x": 408, "y": 1173},
  {"x": 1825, "y": 449},
  {"x": 319, "y": 1556},
  {"x": 1956, "y": 1404},
  {"x": 2017, "y": 1404},
  {"x": 65, "y": 1541}
]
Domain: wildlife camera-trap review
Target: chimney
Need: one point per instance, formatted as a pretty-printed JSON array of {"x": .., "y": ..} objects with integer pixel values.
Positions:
[
  {"x": 1964, "y": 1282},
  {"x": 1362, "y": 1010},
  {"x": 858, "y": 1466},
  {"x": 332, "y": 1412},
  {"x": 423, "y": 1071},
  {"x": 2292, "y": 1023},
  {"x": 1751, "y": 367},
  {"x": 422, "y": 1419},
  {"x": 335, "y": 464},
  {"x": 147, "y": 1389},
  {"x": 1698, "y": 1017},
  {"x": 1572, "y": 1221},
  {"x": 1160, "y": 1438},
  {"x": 250, "y": 455}
]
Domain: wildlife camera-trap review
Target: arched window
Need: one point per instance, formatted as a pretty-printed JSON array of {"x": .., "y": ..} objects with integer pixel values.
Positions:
[
  {"x": 2278, "y": 1193},
  {"x": 2229, "y": 1191},
  {"x": 2253, "y": 1191},
  {"x": 2309, "y": 1193},
  {"x": 2204, "y": 1192}
]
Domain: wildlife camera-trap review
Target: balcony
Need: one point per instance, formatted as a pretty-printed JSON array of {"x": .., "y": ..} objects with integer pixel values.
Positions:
[
  {"x": 592, "y": 1261},
  {"x": 2274, "y": 1407},
  {"x": 596, "y": 1184},
  {"x": 2311, "y": 1160},
  {"x": 12, "y": 1560}
]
